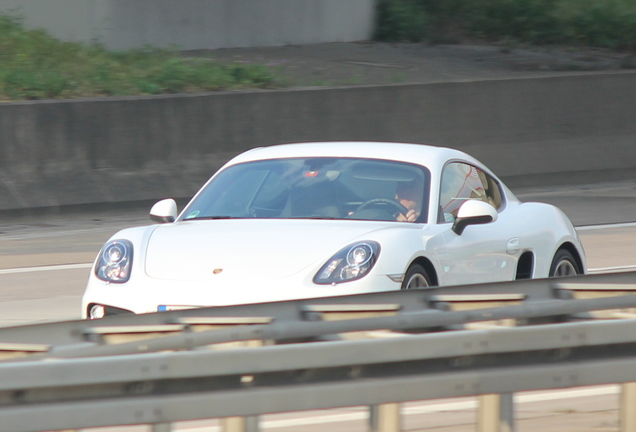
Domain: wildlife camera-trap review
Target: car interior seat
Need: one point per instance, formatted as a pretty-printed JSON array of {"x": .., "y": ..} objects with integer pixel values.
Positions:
[{"x": 313, "y": 199}]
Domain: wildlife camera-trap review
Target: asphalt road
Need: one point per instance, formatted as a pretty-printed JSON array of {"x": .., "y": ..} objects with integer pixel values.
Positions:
[
  {"x": 44, "y": 265},
  {"x": 44, "y": 262}
]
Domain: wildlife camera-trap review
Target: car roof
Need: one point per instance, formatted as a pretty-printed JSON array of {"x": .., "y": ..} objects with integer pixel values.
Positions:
[{"x": 433, "y": 157}]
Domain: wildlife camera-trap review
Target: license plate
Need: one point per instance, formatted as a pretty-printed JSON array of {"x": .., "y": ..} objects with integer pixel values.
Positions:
[{"x": 164, "y": 308}]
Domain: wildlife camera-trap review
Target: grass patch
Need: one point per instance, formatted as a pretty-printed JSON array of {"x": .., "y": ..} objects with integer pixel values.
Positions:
[
  {"x": 398, "y": 77},
  {"x": 591, "y": 23},
  {"x": 354, "y": 80},
  {"x": 402, "y": 21},
  {"x": 34, "y": 65}
]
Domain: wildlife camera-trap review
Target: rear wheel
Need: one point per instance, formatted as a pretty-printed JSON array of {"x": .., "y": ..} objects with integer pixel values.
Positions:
[
  {"x": 564, "y": 265},
  {"x": 416, "y": 277}
]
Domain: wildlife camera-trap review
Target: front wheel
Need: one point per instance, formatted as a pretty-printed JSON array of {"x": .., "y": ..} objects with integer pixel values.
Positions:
[
  {"x": 564, "y": 265},
  {"x": 416, "y": 277}
]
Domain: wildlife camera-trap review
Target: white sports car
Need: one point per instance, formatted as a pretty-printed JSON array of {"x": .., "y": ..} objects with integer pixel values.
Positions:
[{"x": 324, "y": 219}]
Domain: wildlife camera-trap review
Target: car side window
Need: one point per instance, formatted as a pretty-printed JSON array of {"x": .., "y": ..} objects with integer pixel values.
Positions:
[{"x": 462, "y": 182}]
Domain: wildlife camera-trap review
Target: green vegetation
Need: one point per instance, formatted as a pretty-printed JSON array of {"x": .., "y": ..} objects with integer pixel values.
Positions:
[
  {"x": 33, "y": 65},
  {"x": 593, "y": 23},
  {"x": 402, "y": 20}
]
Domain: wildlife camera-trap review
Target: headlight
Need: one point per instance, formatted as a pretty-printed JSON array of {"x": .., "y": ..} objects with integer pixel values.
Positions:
[
  {"x": 114, "y": 261},
  {"x": 351, "y": 263}
]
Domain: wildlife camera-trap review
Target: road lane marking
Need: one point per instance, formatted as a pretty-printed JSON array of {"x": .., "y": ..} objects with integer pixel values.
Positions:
[
  {"x": 606, "y": 226},
  {"x": 46, "y": 268},
  {"x": 612, "y": 269},
  {"x": 89, "y": 265},
  {"x": 37, "y": 235}
]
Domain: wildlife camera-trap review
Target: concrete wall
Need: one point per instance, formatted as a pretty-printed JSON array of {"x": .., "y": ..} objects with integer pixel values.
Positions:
[
  {"x": 560, "y": 130},
  {"x": 198, "y": 24}
]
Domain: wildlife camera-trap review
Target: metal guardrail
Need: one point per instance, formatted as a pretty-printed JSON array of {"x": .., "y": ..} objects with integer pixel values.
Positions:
[
  {"x": 145, "y": 339},
  {"x": 167, "y": 367},
  {"x": 168, "y": 387},
  {"x": 69, "y": 333}
]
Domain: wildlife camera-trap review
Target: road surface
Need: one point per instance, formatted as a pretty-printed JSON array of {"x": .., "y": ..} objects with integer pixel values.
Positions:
[{"x": 45, "y": 262}]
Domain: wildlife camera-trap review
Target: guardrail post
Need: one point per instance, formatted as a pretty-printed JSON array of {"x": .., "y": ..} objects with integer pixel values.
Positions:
[
  {"x": 628, "y": 407},
  {"x": 240, "y": 424},
  {"x": 496, "y": 413},
  {"x": 385, "y": 418},
  {"x": 247, "y": 423}
]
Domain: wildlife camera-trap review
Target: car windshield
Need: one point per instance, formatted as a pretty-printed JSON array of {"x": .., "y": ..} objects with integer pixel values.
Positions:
[{"x": 320, "y": 188}]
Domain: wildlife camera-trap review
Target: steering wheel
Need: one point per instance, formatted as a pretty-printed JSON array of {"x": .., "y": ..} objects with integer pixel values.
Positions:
[{"x": 382, "y": 201}]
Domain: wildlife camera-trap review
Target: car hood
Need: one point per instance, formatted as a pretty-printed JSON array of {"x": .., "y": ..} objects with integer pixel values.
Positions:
[{"x": 250, "y": 250}]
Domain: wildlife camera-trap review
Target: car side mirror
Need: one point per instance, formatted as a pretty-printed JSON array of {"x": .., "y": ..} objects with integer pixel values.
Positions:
[
  {"x": 164, "y": 211},
  {"x": 474, "y": 212}
]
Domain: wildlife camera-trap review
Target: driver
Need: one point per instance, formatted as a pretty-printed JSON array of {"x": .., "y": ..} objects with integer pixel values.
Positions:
[{"x": 409, "y": 194}]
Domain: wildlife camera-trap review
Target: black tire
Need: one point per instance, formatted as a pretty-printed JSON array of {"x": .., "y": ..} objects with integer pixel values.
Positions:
[
  {"x": 564, "y": 264},
  {"x": 416, "y": 277}
]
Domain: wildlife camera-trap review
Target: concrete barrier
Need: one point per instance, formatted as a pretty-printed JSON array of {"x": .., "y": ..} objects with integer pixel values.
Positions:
[
  {"x": 558, "y": 130},
  {"x": 198, "y": 24}
]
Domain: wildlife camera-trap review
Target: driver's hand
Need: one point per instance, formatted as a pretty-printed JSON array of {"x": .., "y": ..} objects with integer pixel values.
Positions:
[{"x": 411, "y": 216}]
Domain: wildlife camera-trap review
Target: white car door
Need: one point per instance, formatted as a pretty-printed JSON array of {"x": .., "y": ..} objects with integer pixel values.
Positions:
[{"x": 481, "y": 253}]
